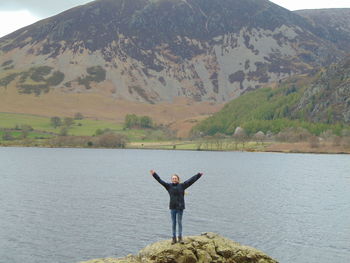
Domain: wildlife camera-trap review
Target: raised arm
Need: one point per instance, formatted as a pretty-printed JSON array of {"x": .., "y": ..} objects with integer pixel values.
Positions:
[
  {"x": 190, "y": 181},
  {"x": 156, "y": 176}
]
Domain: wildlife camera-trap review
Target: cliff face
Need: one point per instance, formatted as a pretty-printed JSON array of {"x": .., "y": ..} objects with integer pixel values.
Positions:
[
  {"x": 328, "y": 98},
  {"x": 207, "y": 248},
  {"x": 156, "y": 50}
]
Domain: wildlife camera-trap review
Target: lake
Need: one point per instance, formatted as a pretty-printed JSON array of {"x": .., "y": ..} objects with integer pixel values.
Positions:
[{"x": 71, "y": 205}]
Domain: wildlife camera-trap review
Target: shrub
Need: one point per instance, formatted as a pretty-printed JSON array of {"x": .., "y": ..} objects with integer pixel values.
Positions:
[
  {"x": 8, "y": 79},
  {"x": 78, "y": 116},
  {"x": 56, "y": 121},
  {"x": 112, "y": 140},
  {"x": 36, "y": 89},
  {"x": 293, "y": 135},
  {"x": 7, "y": 63},
  {"x": 56, "y": 78},
  {"x": 64, "y": 131},
  {"x": 314, "y": 142},
  {"x": 7, "y": 136},
  {"x": 68, "y": 121},
  {"x": 26, "y": 127},
  {"x": 71, "y": 141},
  {"x": 38, "y": 73},
  {"x": 96, "y": 74}
]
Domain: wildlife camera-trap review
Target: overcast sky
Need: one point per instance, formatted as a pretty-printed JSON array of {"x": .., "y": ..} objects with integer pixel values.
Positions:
[{"x": 15, "y": 14}]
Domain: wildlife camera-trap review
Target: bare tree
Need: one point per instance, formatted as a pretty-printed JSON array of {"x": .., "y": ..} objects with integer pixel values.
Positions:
[
  {"x": 240, "y": 135},
  {"x": 56, "y": 121},
  {"x": 259, "y": 137},
  {"x": 68, "y": 121},
  {"x": 112, "y": 140}
]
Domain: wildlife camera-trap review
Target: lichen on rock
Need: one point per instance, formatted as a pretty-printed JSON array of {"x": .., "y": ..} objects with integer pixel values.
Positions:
[{"x": 206, "y": 248}]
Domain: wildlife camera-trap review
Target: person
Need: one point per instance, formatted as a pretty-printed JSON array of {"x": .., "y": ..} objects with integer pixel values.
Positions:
[{"x": 176, "y": 192}]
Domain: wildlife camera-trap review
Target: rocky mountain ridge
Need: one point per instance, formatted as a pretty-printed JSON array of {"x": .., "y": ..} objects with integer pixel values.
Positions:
[{"x": 328, "y": 97}]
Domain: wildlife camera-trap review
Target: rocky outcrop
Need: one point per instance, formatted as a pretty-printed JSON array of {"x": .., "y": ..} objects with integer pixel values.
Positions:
[
  {"x": 206, "y": 248},
  {"x": 328, "y": 98}
]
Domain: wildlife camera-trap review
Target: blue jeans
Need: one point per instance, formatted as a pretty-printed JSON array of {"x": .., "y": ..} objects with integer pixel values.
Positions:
[{"x": 179, "y": 213}]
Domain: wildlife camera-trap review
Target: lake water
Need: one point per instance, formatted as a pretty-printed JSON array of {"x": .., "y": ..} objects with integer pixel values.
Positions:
[{"x": 70, "y": 205}]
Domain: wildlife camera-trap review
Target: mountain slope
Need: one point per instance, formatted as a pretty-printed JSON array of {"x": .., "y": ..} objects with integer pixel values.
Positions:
[
  {"x": 328, "y": 98},
  {"x": 332, "y": 24},
  {"x": 301, "y": 101},
  {"x": 155, "y": 51}
]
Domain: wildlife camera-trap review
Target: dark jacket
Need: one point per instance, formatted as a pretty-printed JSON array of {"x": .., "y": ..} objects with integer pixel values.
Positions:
[{"x": 177, "y": 191}]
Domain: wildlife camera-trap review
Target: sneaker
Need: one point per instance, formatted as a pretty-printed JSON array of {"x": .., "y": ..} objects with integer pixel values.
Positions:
[
  {"x": 174, "y": 241},
  {"x": 181, "y": 241}
]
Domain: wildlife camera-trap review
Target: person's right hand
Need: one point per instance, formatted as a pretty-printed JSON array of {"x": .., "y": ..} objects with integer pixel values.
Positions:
[{"x": 152, "y": 172}]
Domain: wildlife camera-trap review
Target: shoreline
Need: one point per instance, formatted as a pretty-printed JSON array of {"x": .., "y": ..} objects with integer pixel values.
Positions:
[{"x": 162, "y": 147}]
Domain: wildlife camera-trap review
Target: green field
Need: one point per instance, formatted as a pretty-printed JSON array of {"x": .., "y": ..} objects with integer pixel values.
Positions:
[
  {"x": 85, "y": 127},
  {"x": 31, "y": 135}
]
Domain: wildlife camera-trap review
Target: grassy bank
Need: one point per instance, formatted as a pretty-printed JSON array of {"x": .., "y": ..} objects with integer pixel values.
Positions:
[
  {"x": 13, "y": 122},
  {"x": 83, "y": 133},
  {"x": 282, "y": 147}
]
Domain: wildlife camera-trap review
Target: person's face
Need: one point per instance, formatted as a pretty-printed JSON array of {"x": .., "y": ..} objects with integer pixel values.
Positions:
[{"x": 174, "y": 179}]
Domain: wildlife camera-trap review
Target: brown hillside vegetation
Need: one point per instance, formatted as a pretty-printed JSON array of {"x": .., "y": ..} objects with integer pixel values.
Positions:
[{"x": 182, "y": 113}]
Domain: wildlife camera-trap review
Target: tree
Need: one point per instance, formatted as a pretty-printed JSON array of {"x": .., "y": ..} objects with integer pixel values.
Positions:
[
  {"x": 240, "y": 135},
  {"x": 259, "y": 136},
  {"x": 131, "y": 120},
  {"x": 218, "y": 140},
  {"x": 68, "y": 121},
  {"x": 98, "y": 132},
  {"x": 24, "y": 134},
  {"x": 146, "y": 122},
  {"x": 26, "y": 127},
  {"x": 56, "y": 121},
  {"x": 7, "y": 136},
  {"x": 78, "y": 116},
  {"x": 64, "y": 131}
]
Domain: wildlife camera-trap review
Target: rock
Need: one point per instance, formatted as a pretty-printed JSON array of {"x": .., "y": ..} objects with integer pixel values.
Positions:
[{"x": 206, "y": 248}]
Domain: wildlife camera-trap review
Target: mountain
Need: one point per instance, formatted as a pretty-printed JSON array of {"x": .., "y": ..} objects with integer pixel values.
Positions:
[
  {"x": 331, "y": 24},
  {"x": 317, "y": 103},
  {"x": 153, "y": 51},
  {"x": 177, "y": 61}
]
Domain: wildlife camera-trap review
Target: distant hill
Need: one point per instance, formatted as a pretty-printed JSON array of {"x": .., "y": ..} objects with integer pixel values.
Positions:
[{"x": 311, "y": 102}]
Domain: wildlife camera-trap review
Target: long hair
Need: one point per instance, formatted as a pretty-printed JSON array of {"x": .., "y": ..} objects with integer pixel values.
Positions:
[{"x": 178, "y": 177}]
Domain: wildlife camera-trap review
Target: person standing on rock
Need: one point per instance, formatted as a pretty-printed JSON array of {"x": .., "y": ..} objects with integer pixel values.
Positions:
[{"x": 176, "y": 192}]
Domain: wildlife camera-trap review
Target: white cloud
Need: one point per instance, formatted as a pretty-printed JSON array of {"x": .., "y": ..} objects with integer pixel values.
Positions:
[
  {"x": 11, "y": 21},
  {"x": 312, "y": 4}
]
